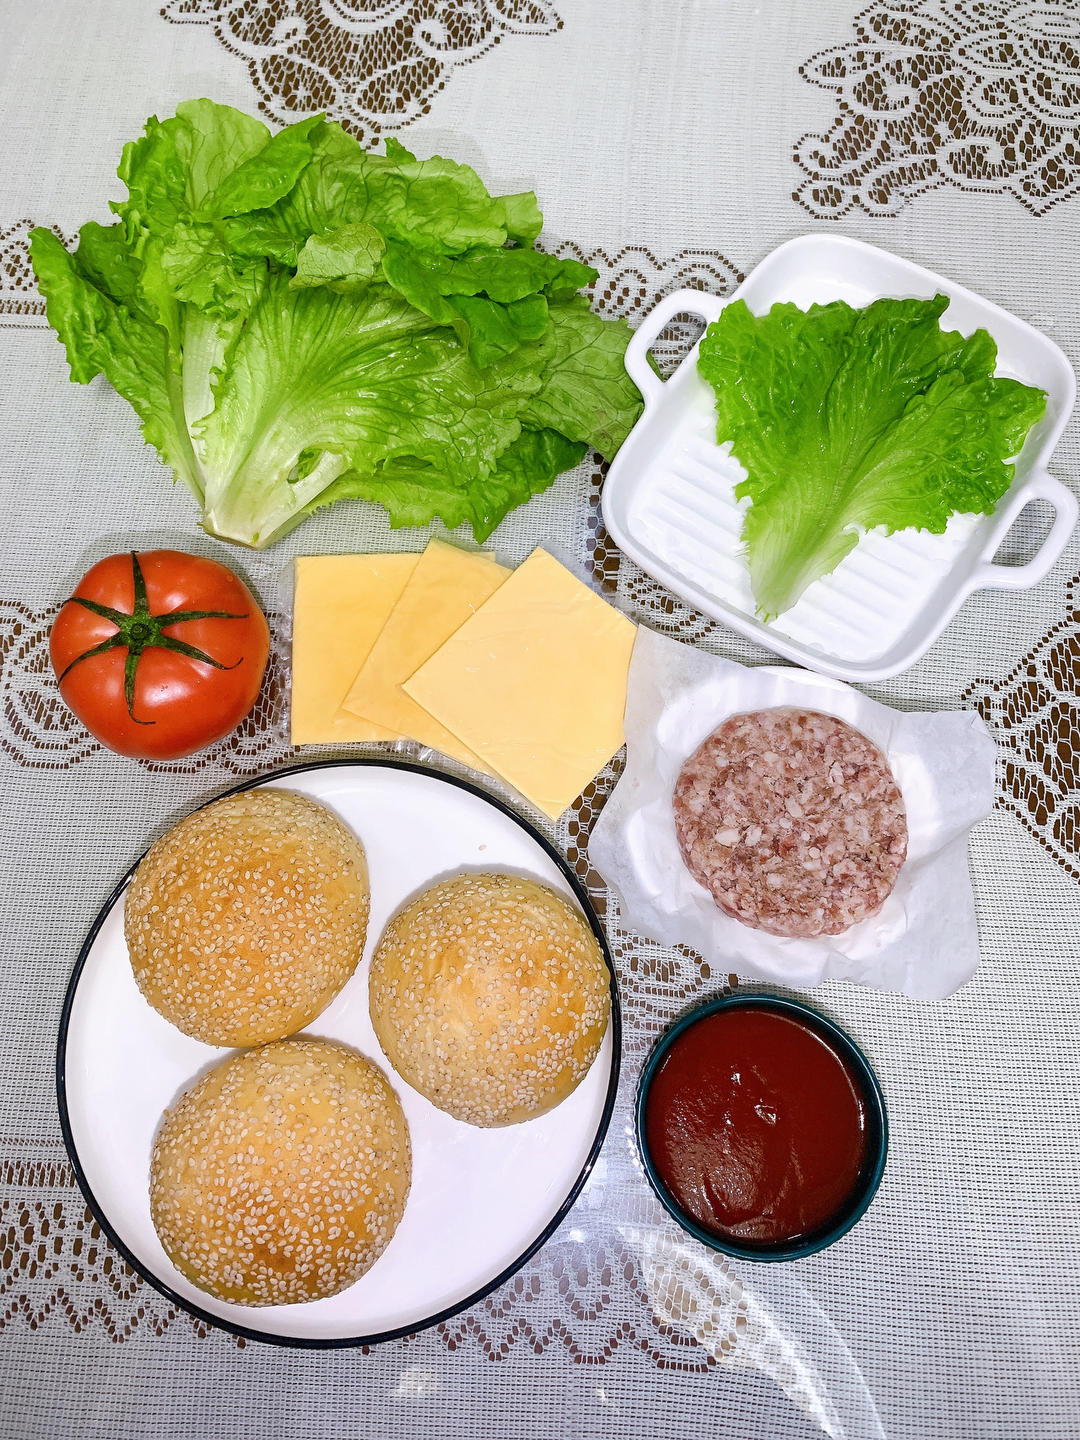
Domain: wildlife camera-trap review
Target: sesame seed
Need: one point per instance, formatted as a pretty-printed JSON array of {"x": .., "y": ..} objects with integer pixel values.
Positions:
[
  {"x": 259, "y": 1239},
  {"x": 245, "y": 919},
  {"x": 492, "y": 966}
]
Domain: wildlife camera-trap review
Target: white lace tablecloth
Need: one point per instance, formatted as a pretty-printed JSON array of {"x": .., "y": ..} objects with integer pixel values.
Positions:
[{"x": 670, "y": 143}]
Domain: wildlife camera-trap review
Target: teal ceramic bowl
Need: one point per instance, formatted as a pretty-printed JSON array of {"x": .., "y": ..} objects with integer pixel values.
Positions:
[{"x": 877, "y": 1129}]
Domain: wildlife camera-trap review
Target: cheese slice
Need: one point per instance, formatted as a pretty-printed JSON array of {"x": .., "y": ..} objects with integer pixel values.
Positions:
[
  {"x": 445, "y": 590},
  {"x": 340, "y": 605},
  {"x": 535, "y": 682}
]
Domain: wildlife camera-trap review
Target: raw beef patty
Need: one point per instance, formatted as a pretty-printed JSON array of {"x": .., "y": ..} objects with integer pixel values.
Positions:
[{"x": 792, "y": 821}]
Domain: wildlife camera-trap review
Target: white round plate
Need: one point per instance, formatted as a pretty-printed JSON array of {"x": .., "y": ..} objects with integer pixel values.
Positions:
[{"x": 482, "y": 1201}]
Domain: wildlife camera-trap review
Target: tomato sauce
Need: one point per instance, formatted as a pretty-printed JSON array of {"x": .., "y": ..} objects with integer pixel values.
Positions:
[{"x": 756, "y": 1126}]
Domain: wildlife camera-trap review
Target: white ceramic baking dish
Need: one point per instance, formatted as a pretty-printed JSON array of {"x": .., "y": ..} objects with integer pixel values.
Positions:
[{"x": 669, "y": 499}]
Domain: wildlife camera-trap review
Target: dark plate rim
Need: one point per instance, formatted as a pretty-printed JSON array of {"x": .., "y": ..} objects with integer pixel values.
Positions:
[
  {"x": 348, "y": 1342},
  {"x": 827, "y": 1027}
]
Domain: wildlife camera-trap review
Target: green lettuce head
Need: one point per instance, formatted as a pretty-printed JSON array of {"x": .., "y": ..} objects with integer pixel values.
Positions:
[{"x": 297, "y": 321}]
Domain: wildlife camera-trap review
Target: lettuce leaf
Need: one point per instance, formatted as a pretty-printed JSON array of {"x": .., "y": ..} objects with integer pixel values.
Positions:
[
  {"x": 415, "y": 495},
  {"x": 364, "y": 379},
  {"x": 207, "y": 162},
  {"x": 345, "y": 258},
  {"x": 494, "y": 299},
  {"x": 197, "y": 268},
  {"x": 586, "y": 393},
  {"x": 436, "y": 206},
  {"x": 847, "y": 420},
  {"x": 104, "y": 337},
  {"x": 297, "y": 321}
]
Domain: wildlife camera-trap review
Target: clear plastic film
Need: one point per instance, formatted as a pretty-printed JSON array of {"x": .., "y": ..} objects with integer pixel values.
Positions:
[{"x": 620, "y": 1284}]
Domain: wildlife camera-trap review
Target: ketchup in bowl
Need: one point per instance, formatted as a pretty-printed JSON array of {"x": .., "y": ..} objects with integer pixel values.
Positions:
[{"x": 762, "y": 1127}]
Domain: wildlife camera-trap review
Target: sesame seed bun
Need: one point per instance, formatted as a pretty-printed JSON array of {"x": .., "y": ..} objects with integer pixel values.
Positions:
[
  {"x": 489, "y": 995},
  {"x": 246, "y": 919},
  {"x": 281, "y": 1175}
]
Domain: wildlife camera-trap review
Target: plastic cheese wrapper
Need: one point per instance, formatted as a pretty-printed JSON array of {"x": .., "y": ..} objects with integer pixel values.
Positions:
[{"x": 923, "y": 941}]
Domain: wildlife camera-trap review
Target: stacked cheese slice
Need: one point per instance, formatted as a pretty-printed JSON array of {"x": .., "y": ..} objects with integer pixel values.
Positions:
[{"x": 520, "y": 674}]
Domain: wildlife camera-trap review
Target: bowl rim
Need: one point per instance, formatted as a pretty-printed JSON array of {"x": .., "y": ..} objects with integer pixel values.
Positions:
[{"x": 849, "y": 1051}]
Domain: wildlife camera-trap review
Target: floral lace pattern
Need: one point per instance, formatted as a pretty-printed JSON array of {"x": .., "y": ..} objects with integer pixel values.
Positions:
[
  {"x": 54, "y": 1261},
  {"x": 589, "y": 1300},
  {"x": 1034, "y": 714},
  {"x": 983, "y": 95},
  {"x": 18, "y": 288},
  {"x": 372, "y": 64}
]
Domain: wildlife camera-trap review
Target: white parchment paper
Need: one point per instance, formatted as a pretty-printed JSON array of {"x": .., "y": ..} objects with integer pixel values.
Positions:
[{"x": 923, "y": 941}]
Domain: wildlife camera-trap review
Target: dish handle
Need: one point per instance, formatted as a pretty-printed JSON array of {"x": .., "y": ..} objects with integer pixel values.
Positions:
[
  {"x": 680, "y": 302},
  {"x": 1039, "y": 486}
]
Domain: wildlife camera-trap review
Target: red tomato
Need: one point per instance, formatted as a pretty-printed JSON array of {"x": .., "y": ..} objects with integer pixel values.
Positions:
[{"x": 160, "y": 654}]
